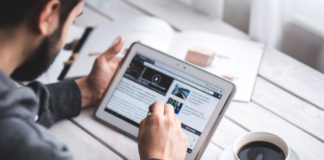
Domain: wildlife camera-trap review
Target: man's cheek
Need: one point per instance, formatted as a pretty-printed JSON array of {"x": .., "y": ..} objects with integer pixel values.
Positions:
[{"x": 59, "y": 45}]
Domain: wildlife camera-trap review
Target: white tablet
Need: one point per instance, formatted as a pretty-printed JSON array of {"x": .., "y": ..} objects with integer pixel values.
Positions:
[{"x": 147, "y": 75}]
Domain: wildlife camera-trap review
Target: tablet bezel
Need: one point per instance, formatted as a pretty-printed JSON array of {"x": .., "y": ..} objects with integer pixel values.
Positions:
[{"x": 131, "y": 130}]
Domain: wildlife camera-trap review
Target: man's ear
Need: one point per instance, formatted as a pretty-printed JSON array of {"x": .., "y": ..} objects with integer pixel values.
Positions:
[{"x": 48, "y": 19}]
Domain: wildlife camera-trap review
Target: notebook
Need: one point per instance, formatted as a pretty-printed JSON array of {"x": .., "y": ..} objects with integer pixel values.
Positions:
[{"x": 238, "y": 58}]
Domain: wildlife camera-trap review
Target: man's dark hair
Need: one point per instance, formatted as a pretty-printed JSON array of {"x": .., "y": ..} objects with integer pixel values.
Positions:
[{"x": 14, "y": 12}]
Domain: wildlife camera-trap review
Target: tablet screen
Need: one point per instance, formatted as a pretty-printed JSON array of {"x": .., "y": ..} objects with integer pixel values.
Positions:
[{"x": 146, "y": 81}]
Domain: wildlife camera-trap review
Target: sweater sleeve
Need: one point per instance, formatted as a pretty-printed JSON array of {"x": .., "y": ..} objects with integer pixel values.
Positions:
[
  {"x": 57, "y": 101},
  {"x": 20, "y": 137}
]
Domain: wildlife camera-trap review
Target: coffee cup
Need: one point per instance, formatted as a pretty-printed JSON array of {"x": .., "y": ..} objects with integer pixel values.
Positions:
[{"x": 257, "y": 145}]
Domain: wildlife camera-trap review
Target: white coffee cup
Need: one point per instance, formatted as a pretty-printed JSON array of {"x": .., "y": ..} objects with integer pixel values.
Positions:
[{"x": 260, "y": 136}]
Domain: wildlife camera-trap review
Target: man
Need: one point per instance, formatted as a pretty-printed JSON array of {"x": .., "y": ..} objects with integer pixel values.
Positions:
[{"x": 31, "y": 34}]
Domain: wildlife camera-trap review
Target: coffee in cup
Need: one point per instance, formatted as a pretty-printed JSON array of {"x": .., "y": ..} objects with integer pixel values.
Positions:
[{"x": 260, "y": 146}]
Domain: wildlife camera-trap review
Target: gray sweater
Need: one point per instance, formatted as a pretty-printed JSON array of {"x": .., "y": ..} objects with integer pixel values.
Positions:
[
  {"x": 20, "y": 136},
  {"x": 26, "y": 114}
]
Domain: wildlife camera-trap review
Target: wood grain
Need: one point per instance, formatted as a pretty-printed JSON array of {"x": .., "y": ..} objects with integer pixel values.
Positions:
[
  {"x": 212, "y": 152},
  {"x": 296, "y": 111},
  {"x": 256, "y": 118},
  {"x": 226, "y": 133},
  {"x": 81, "y": 144},
  {"x": 123, "y": 144},
  {"x": 293, "y": 76}
]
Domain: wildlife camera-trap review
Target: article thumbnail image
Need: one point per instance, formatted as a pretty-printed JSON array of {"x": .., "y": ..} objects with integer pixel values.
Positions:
[
  {"x": 135, "y": 68},
  {"x": 180, "y": 92},
  {"x": 176, "y": 105}
]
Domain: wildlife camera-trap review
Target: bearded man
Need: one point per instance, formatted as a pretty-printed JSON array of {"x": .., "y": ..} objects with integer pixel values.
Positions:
[{"x": 31, "y": 34}]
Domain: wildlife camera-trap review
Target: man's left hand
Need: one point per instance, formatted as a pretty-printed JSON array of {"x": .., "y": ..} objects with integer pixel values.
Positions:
[{"x": 93, "y": 86}]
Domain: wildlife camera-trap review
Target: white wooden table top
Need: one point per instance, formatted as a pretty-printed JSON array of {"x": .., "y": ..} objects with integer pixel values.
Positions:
[{"x": 288, "y": 99}]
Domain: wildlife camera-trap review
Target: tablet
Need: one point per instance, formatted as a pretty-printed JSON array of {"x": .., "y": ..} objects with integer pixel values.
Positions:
[{"x": 147, "y": 75}]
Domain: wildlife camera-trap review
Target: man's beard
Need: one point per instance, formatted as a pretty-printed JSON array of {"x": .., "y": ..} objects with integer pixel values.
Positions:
[{"x": 41, "y": 59}]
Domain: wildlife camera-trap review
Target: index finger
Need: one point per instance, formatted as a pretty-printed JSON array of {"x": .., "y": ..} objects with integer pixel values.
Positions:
[
  {"x": 157, "y": 108},
  {"x": 169, "y": 110}
]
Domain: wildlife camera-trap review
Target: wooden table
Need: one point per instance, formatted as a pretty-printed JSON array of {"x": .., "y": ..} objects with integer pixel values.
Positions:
[{"x": 288, "y": 99}]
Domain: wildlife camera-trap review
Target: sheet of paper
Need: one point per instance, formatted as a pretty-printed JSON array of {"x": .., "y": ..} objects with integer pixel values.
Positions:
[
  {"x": 238, "y": 58},
  {"x": 147, "y": 30},
  {"x": 56, "y": 68}
]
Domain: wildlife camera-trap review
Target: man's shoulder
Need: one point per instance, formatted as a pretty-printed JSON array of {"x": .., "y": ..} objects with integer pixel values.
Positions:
[
  {"x": 5, "y": 79},
  {"x": 23, "y": 139}
]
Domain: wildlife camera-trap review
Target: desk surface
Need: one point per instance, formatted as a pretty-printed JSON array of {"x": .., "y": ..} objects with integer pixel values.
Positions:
[{"x": 288, "y": 99}]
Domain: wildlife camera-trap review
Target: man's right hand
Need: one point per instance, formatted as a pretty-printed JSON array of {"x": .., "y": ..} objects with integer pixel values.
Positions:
[{"x": 160, "y": 135}]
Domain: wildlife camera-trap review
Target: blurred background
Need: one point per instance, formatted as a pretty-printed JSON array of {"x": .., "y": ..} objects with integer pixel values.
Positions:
[
  {"x": 286, "y": 95},
  {"x": 295, "y": 27}
]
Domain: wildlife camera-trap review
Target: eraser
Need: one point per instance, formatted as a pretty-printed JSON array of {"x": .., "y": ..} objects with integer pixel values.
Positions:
[
  {"x": 229, "y": 77},
  {"x": 200, "y": 56}
]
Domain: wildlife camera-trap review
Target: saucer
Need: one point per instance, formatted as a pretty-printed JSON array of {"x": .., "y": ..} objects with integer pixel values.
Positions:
[{"x": 228, "y": 154}]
